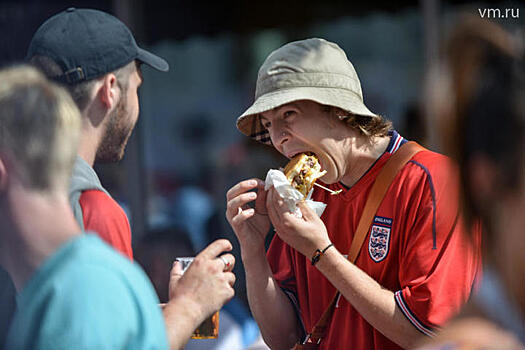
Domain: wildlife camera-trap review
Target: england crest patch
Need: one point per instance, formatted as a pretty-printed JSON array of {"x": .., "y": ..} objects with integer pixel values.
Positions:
[{"x": 379, "y": 241}]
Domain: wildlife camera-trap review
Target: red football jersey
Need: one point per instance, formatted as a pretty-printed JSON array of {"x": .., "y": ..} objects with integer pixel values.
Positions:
[
  {"x": 104, "y": 216},
  {"x": 415, "y": 247}
]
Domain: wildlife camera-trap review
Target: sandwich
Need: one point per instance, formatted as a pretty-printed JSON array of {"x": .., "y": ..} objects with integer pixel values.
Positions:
[{"x": 302, "y": 171}]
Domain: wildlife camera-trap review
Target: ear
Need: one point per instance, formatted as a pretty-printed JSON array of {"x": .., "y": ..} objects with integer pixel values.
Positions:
[
  {"x": 109, "y": 92},
  {"x": 482, "y": 177},
  {"x": 335, "y": 116}
]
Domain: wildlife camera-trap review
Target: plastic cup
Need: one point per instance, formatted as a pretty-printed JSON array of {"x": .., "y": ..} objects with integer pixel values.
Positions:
[{"x": 209, "y": 329}]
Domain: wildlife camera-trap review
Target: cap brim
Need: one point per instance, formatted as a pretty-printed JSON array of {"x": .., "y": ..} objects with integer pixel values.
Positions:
[
  {"x": 341, "y": 98},
  {"x": 153, "y": 60}
]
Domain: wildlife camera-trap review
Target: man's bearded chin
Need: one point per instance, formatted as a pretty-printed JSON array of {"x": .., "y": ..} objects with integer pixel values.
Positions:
[
  {"x": 112, "y": 148},
  {"x": 115, "y": 139}
]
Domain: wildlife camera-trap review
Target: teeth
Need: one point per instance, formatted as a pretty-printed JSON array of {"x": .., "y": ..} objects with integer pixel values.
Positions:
[{"x": 308, "y": 153}]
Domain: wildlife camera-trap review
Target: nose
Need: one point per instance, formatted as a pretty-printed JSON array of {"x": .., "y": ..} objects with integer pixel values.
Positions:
[{"x": 279, "y": 136}]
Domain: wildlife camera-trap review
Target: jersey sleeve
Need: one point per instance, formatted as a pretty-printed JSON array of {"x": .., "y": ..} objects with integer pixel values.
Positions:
[
  {"x": 438, "y": 262},
  {"x": 104, "y": 216}
]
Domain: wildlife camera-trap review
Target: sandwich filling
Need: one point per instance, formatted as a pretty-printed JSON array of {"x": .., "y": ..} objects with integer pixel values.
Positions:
[{"x": 302, "y": 171}]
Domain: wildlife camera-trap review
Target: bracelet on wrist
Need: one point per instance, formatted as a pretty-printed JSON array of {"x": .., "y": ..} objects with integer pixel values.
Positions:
[{"x": 318, "y": 253}]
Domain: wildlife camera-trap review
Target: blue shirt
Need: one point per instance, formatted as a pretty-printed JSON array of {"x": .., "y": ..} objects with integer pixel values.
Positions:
[{"x": 87, "y": 296}]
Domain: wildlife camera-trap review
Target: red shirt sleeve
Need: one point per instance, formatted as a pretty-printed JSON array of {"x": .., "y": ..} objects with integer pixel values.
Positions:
[
  {"x": 439, "y": 263},
  {"x": 104, "y": 216}
]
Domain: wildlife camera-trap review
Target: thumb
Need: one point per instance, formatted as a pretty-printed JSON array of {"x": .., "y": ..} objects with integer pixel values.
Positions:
[
  {"x": 176, "y": 270},
  {"x": 261, "y": 194},
  {"x": 175, "y": 275},
  {"x": 308, "y": 213}
]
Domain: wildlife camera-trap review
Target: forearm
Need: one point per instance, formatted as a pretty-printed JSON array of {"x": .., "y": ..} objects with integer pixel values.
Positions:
[
  {"x": 181, "y": 318},
  {"x": 271, "y": 308},
  {"x": 375, "y": 303}
]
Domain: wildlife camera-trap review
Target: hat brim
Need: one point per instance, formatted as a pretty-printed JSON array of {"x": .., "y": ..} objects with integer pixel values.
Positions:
[
  {"x": 152, "y": 60},
  {"x": 344, "y": 99}
]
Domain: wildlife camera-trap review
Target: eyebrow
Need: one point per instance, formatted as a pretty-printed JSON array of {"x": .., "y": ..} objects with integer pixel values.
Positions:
[
  {"x": 276, "y": 109},
  {"x": 287, "y": 105}
]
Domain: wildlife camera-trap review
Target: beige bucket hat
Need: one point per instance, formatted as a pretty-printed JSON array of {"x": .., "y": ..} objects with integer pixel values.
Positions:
[{"x": 312, "y": 69}]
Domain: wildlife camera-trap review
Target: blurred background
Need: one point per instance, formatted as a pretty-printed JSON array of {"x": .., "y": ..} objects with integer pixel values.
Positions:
[{"x": 185, "y": 152}]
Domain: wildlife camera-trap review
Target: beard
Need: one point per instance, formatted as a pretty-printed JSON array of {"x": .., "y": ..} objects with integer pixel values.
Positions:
[{"x": 116, "y": 136}]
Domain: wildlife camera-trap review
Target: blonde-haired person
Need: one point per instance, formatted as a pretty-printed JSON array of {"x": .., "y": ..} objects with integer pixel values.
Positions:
[
  {"x": 401, "y": 287},
  {"x": 73, "y": 290},
  {"x": 483, "y": 103},
  {"x": 41, "y": 145},
  {"x": 70, "y": 287}
]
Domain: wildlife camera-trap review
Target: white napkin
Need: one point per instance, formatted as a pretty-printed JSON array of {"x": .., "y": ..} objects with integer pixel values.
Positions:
[{"x": 290, "y": 195}]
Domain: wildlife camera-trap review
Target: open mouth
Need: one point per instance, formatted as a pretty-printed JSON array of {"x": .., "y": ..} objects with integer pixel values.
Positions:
[{"x": 308, "y": 153}]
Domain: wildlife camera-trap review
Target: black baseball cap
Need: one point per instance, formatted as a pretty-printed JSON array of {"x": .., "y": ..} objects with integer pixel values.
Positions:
[{"x": 87, "y": 44}]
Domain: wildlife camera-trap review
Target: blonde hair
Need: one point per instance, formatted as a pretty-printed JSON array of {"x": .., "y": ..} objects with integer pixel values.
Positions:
[{"x": 39, "y": 128}]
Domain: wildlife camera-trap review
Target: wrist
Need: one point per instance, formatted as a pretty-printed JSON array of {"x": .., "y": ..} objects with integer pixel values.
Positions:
[
  {"x": 319, "y": 253},
  {"x": 185, "y": 307},
  {"x": 252, "y": 253},
  {"x": 330, "y": 258}
]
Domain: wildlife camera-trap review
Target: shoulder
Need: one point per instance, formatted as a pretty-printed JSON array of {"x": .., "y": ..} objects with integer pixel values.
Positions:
[
  {"x": 98, "y": 198},
  {"x": 95, "y": 257},
  {"x": 103, "y": 215},
  {"x": 91, "y": 268},
  {"x": 97, "y": 207},
  {"x": 428, "y": 167},
  {"x": 100, "y": 293},
  {"x": 433, "y": 163}
]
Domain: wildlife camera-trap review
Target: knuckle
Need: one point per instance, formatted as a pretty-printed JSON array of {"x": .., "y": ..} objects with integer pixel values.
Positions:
[
  {"x": 225, "y": 243},
  {"x": 231, "y": 192},
  {"x": 198, "y": 261},
  {"x": 286, "y": 225},
  {"x": 215, "y": 269}
]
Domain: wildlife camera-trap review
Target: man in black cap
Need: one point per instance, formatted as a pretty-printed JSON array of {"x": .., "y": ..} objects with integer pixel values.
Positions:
[{"x": 95, "y": 57}]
